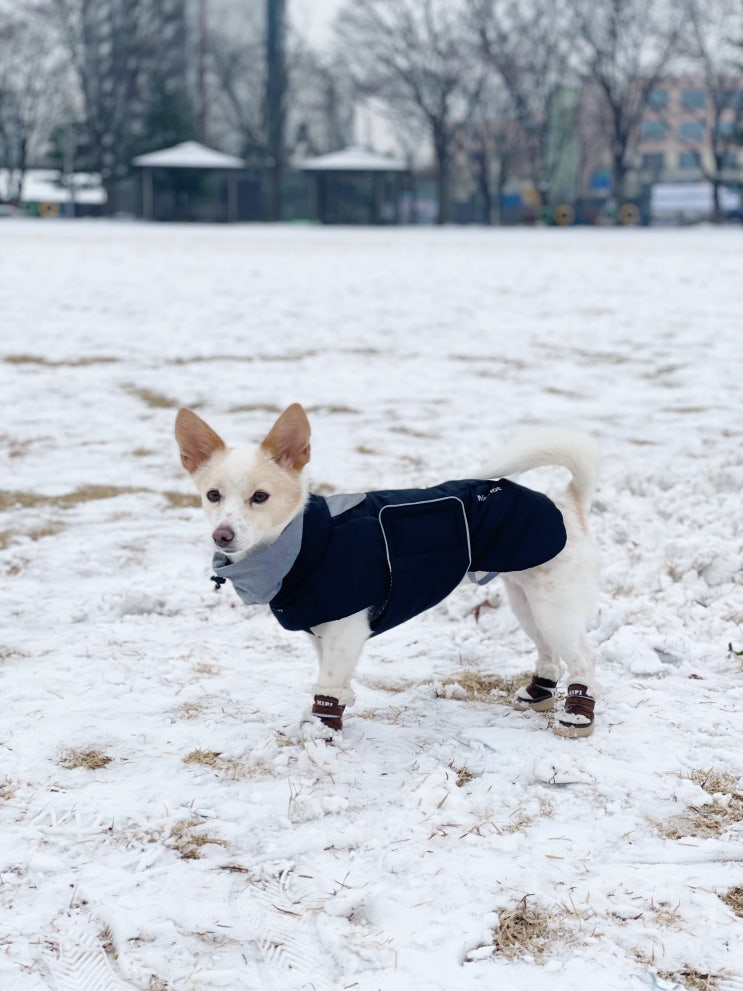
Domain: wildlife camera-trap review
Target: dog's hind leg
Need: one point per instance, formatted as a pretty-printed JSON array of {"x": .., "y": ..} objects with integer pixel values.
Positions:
[
  {"x": 556, "y": 628},
  {"x": 539, "y": 693},
  {"x": 564, "y": 630},
  {"x": 339, "y": 645},
  {"x": 576, "y": 718}
]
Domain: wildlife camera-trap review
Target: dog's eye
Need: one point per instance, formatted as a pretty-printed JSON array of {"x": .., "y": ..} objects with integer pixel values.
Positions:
[
  {"x": 213, "y": 495},
  {"x": 259, "y": 496}
]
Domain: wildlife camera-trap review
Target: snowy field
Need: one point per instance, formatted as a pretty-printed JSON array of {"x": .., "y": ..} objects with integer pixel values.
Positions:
[{"x": 163, "y": 825}]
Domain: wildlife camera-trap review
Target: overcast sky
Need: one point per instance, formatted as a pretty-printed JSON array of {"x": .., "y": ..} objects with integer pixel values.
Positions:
[{"x": 314, "y": 18}]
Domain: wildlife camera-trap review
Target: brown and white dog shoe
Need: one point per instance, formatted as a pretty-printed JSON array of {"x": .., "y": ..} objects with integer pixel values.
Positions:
[
  {"x": 576, "y": 719},
  {"x": 329, "y": 711},
  {"x": 538, "y": 695}
]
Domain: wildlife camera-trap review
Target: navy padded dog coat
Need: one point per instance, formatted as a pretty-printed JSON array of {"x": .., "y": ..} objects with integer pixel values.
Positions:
[{"x": 396, "y": 552}]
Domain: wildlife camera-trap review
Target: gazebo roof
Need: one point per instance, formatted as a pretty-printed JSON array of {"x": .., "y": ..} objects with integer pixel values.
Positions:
[
  {"x": 354, "y": 158},
  {"x": 188, "y": 155}
]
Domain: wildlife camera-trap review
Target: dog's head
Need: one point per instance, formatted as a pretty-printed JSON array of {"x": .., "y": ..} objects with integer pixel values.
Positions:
[{"x": 249, "y": 496}]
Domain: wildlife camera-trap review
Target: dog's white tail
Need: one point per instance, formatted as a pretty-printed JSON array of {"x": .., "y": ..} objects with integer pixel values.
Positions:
[{"x": 536, "y": 447}]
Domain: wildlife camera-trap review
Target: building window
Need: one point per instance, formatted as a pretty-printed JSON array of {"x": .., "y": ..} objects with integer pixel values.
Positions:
[
  {"x": 692, "y": 130},
  {"x": 689, "y": 160},
  {"x": 656, "y": 99},
  {"x": 725, "y": 130},
  {"x": 653, "y": 130},
  {"x": 730, "y": 160},
  {"x": 693, "y": 99},
  {"x": 653, "y": 161},
  {"x": 733, "y": 98}
]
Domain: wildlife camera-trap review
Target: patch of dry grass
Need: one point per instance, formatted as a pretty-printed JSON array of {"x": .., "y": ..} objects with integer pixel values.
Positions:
[
  {"x": 412, "y": 432},
  {"x": 523, "y": 931},
  {"x": 187, "y": 841},
  {"x": 92, "y": 760},
  {"x": 83, "y": 494},
  {"x": 480, "y": 686},
  {"x": 50, "y": 529},
  {"x": 464, "y": 775},
  {"x": 270, "y": 409},
  {"x": 190, "y": 710},
  {"x": 106, "y": 938},
  {"x": 8, "y": 788},
  {"x": 203, "y": 667},
  {"x": 7, "y": 652},
  {"x": 248, "y": 359},
  {"x": 35, "y": 359},
  {"x": 11, "y": 500},
  {"x": 209, "y": 758},
  {"x": 203, "y": 359},
  {"x": 18, "y": 448},
  {"x": 332, "y": 410},
  {"x": 182, "y": 500},
  {"x": 666, "y": 914},
  {"x": 151, "y": 398},
  {"x": 526, "y": 931},
  {"x": 693, "y": 980},
  {"x": 734, "y": 900},
  {"x": 392, "y": 687},
  {"x": 709, "y": 819},
  {"x": 229, "y": 767}
]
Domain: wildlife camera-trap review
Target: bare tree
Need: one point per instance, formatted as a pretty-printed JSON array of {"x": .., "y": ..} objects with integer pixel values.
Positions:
[
  {"x": 624, "y": 47},
  {"x": 308, "y": 107},
  {"x": 495, "y": 148},
  {"x": 527, "y": 44},
  {"x": 237, "y": 76},
  {"x": 31, "y": 78},
  {"x": 322, "y": 103},
  {"x": 418, "y": 58},
  {"x": 714, "y": 28},
  {"x": 129, "y": 59}
]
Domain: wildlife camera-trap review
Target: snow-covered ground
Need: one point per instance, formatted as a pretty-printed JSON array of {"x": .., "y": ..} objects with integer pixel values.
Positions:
[{"x": 208, "y": 846}]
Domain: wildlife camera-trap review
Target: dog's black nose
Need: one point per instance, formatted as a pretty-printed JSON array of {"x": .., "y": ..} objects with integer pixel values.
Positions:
[{"x": 223, "y": 536}]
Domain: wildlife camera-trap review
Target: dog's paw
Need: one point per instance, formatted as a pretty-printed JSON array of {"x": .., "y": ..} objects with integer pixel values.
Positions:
[
  {"x": 312, "y": 730},
  {"x": 329, "y": 711},
  {"x": 576, "y": 719},
  {"x": 538, "y": 695},
  {"x": 324, "y": 721}
]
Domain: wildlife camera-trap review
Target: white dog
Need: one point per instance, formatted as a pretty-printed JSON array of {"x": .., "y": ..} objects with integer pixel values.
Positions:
[{"x": 347, "y": 567}]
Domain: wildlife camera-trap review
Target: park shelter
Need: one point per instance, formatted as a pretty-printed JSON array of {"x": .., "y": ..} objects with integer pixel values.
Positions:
[
  {"x": 189, "y": 181},
  {"x": 356, "y": 186}
]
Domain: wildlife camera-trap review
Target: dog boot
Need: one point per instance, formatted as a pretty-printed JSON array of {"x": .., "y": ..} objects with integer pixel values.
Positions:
[
  {"x": 576, "y": 719},
  {"x": 538, "y": 695},
  {"x": 329, "y": 711}
]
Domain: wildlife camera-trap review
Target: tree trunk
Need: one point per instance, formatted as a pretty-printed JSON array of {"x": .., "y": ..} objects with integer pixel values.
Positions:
[
  {"x": 275, "y": 103},
  {"x": 500, "y": 188},
  {"x": 716, "y": 208},
  {"x": 619, "y": 180},
  {"x": 443, "y": 178}
]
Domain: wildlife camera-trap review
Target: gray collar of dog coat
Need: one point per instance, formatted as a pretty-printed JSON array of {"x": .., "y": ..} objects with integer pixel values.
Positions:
[{"x": 258, "y": 576}]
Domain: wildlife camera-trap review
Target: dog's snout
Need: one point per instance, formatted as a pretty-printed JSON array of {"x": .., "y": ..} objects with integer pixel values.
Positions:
[{"x": 223, "y": 536}]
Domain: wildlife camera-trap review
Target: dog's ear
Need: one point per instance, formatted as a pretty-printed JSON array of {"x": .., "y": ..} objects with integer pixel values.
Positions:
[
  {"x": 288, "y": 441},
  {"x": 196, "y": 440}
]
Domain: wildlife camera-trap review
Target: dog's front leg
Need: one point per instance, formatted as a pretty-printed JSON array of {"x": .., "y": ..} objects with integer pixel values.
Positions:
[{"x": 339, "y": 646}]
